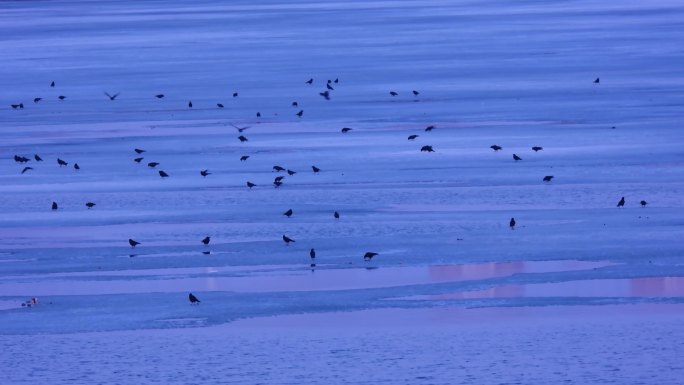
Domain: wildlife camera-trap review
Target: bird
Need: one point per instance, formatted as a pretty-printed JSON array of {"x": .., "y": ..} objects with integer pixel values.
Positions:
[
  {"x": 295, "y": 104},
  {"x": 312, "y": 253},
  {"x": 329, "y": 81},
  {"x": 336, "y": 215},
  {"x": 193, "y": 299},
  {"x": 495, "y": 147},
  {"x": 597, "y": 81},
  {"x": 287, "y": 239},
  {"x": 290, "y": 172},
  {"x": 76, "y": 166},
  {"x": 315, "y": 169},
  {"x": 325, "y": 94},
  {"x": 345, "y": 130},
  {"x": 159, "y": 96},
  {"x": 206, "y": 240},
  {"x": 138, "y": 160},
  {"x": 516, "y": 158},
  {"x": 61, "y": 97},
  {"x": 235, "y": 94},
  {"x": 300, "y": 113},
  {"x": 15, "y": 106},
  {"x": 429, "y": 128},
  {"x": 415, "y": 93},
  {"x": 278, "y": 169},
  {"x": 329, "y": 87},
  {"x": 427, "y": 149},
  {"x": 244, "y": 158},
  {"x": 138, "y": 150},
  {"x": 219, "y": 105},
  {"x": 277, "y": 183},
  {"x": 258, "y": 114},
  {"x": 190, "y": 104},
  {"x": 369, "y": 255},
  {"x": 153, "y": 164},
  {"x": 413, "y": 137},
  {"x": 548, "y": 178},
  {"x": 133, "y": 243},
  {"x": 26, "y": 169},
  {"x": 52, "y": 84},
  {"x": 36, "y": 100},
  {"x": 393, "y": 93},
  {"x": 622, "y": 202},
  {"x": 310, "y": 81},
  {"x": 643, "y": 203},
  {"x": 537, "y": 148},
  {"x": 512, "y": 223},
  {"x": 242, "y": 138},
  {"x": 61, "y": 162},
  {"x": 240, "y": 129},
  {"x": 89, "y": 205},
  {"x": 54, "y": 206},
  {"x": 250, "y": 185},
  {"x": 163, "y": 174},
  {"x": 112, "y": 97},
  {"x": 279, "y": 178},
  {"x": 288, "y": 213},
  {"x": 336, "y": 80},
  {"x": 204, "y": 173},
  {"x": 37, "y": 158}
]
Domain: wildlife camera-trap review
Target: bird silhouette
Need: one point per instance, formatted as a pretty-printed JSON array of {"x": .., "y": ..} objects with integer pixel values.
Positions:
[
  {"x": 643, "y": 203},
  {"x": 138, "y": 150},
  {"x": 190, "y": 104},
  {"x": 138, "y": 160},
  {"x": 61, "y": 97},
  {"x": 345, "y": 130},
  {"x": 325, "y": 94},
  {"x": 235, "y": 94},
  {"x": 290, "y": 172},
  {"x": 61, "y": 162},
  {"x": 90, "y": 205},
  {"x": 193, "y": 299},
  {"x": 369, "y": 255},
  {"x": 287, "y": 239},
  {"x": 52, "y": 84},
  {"x": 336, "y": 80},
  {"x": 597, "y": 81},
  {"x": 250, "y": 185},
  {"x": 429, "y": 128},
  {"x": 153, "y": 164},
  {"x": 310, "y": 81},
  {"x": 219, "y": 105},
  {"x": 204, "y": 173},
  {"x": 622, "y": 202},
  {"x": 37, "y": 158},
  {"x": 415, "y": 93},
  {"x": 427, "y": 149},
  {"x": 112, "y": 97},
  {"x": 159, "y": 96},
  {"x": 537, "y": 148},
  {"x": 548, "y": 178},
  {"x": 206, "y": 240},
  {"x": 516, "y": 158},
  {"x": 413, "y": 137},
  {"x": 295, "y": 104},
  {"x": 279, "y": 178},
  {"x": 133, "y": 243},
  {"x": 277, "y": 183},
  {"x": 240, "y": 129},
  {"x": 242, "y": 138},
  {"x": 54, "y": 206},
  {"x": 278, "y": 169},
  {"x": 36, "y": 100},
  {"x": 315, "y": 169},
  {"x": 163, "y": 174},
  {"x": 300, "y": 113},
  {"x": 76, "y": 166},
  {"x": 288, "y": 213},
  {"x": 336, "y": 215},
  {"x": 258, "y": 114},
  {"x": 244, "y": 158},
  {"x": 512, "y": 223},
  {"x": 26, "y": 169},
  {"x": 393, "y": 93},
  {"x": 312, "y": 253},
  {"x": 15, "y": 106},
  {"x": 495, "y": 147},
  {"x": 329, "y": 87}
]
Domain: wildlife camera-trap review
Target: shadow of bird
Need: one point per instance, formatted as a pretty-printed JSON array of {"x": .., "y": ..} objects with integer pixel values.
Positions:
[
  {"x": 26, "y": 169},
  {"x": 345, "y": 130},
  {"x": 153, "y": 164},
  {"x": 244, "y": 158},
  {"x": 537, "y": 148},
  {"x": 54, "y": 206},
  {"x": 250, "y": 185},
  {"x": 516, "y": 158},
  {"x": 133, "y": 243},
  {"x": 369, "y": 255},
  {"x": 495, "y": 147},
  {"x": 163, "y": 174},
  {"x": 427, "y": 149},
  {"x": 288, "y": 213},
  {"x": 90, "y": 205},
  {"x": 548, "y": 178},
  {"x": 315, "y": 169},
  {"x": 413, "y": 137},
  {"x": 193, "y": 300},
  {"x": 61, "y": 162},
  {"x": 621, "y": 203},
  {"x": 112, "y": 97},
  {"x": 138, "y": 160},
  {"x": 204, "y": 173},
  {"x": 242, "y": 138},
  {"x": 206, "y": 240},
  {"x": 512, "y": 223},
  {"x": 287, "y": 239}
]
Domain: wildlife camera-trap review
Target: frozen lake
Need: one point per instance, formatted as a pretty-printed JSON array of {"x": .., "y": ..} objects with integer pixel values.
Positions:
[{"x": 451, "y": 278}]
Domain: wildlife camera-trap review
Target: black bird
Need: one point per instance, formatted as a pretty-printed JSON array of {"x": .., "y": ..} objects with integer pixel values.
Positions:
[
  {"x": 279, "y": 178},
  {"x": 244, "y": 158},
  {"x": 206, "y": 240},
  {"x": 112, "y": 97},
  {"x": 250, "y": 185},
  {"x": 300, "y": 113},
  {"x": 61, "y": 162},
  {"x": 622, "y": 202},
  {"x": 312, "y": 253},
  {"x": 328, "y": 86},
  {"x": 412, "y": 137},
  {"x": 643, "y": 203},
  {"x": 139, "y": 151},
  {"x": 597, "y": 81},
  {"x": 26, "y": 169},
  {"x": 76, "y": 166},
  {"x": 138, "y": 160},
  {"x": 336, "y": 215},
  {"x": 512, "y": 223},
  {"x": 495, "y": 147},
  {"x": 415, "y": 93},
  {"x": 548, "y": 178},
  {"x": 163, "y": 174},
  {"x": 537, "y": 148},
  {"x": 315, "y": 169},
  {"x": 193, "y": 299},
  {"x": 278, "y": 168},
  {"x": 516, "y": 158},
  {"x": 427, "y": 149},
  {"x": 329, "y": 81},
  {"x": 345, "y": 130},
  {"x": 277, "y": 184},
  {"x": 429, "y": 128},
  {"x": 159, "y": 96},
  {"x": 240, "y": 129},
  {"x": 36, "y": 100},
  {"x": 310, "y": 81},
  {"x": 290, "y": 172},
  {"x": 204, "y": 173},
  {"x": 242, "y": 138},
  {"x": 288, "y": 213},
  {"x": 133, "y": 243},
  {"x": 61, "y": 97},
  {"x": 258, "y": 114},
  {"x": 52, "y": 84},
  {"x": 90, "y": 205},
  {"x": 369, "y": 255},
  {"x": 336, "y": 80},
  {"x": 54, "y": 206},
  {"x": 15, "y": 106},
  {"x": 235, "y": 94},
  {"x": 393, "y": 93},
  {"x": 37, "y": 158},
  {"x": 287, "y": 239},
  {"x": 325, "y": 94},
  {"x": 219, "y": 105},
  {"x": 153, "y": 164},
  {"x": 190, "y": 104},
  {"x": 295, "y": 104}
]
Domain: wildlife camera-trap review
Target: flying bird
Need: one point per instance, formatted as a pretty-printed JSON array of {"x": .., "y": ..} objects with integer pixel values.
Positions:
[
  {"x": 153, "y": 164},
  {"x": 163, "y": 174},
  {"x": 287, "y": 239},
  {"x": 138, "y": 160},
  {"x": 90, "y": 205},
  {"x": 312, "y": 253},
  {"x": 495, "y": 147},
  {"x": 61, "y": 162},
  {"x": 112, "y": 97},
  {"x": 133, "y": 243},
  {"x": 548, "y": 178},
  {"x": 369, "y": 255},
  {"x": 204, "y": 173},
  {"x": 622, "y": 202},
  {"x": 429, "y": 128},
  {"x": 516, "y": 158},
  {"x": 393, "y": 93},
  {"x": 512, "y": 223},
  {"x": 242, "y": 138},
  {"x": 240, "y": 129},
  {"x": 315, "y": 169},
  {"x": 300, "y": 113},
  {"x": 288, "y": 213},
  {"x": 643, "y": 203},
  {"x": 54, "y": 206},
  {"x": 537, "y": 148},
  {"x": 26, "y": 169},
  {"x": 206, "y": 240},
  {"x": 427, "y": 149},
  {"x": 37, "y": 158},
  {"x": 413, "y": 137},
  {"x": 244, "y": 158},
  {"x": 250, "y": 185},
  {"x": 193, "y": 299},
  {"x": 345, "y": 130}
]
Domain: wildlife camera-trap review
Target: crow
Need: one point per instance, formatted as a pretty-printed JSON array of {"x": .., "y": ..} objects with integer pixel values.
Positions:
[
  {"x": 279, "y": 178},
  {"x": 26, "y": 169},
  {"x": 15, "y": 106},
  {"x": 537, "y": 148},
  {"x": 495, "y": 147},
  {"x": 138, "y": 151},
  {"x": 242, "y": 138},
  {"x": 369, "y": 255},
  {"x": 206, "y": 240},
  {"x": 193, "y": 299},
  {"x": 412, "y": 137},
  {"x": 393, "y": 93},
  {"x": 288, "y": 213},
  {"x": 622, "y": 202},
  {"x": 36, "y": 100},
  {"x": 258, "y": 114},
  {"x": 548, "y": 178},
  {"x": 250, "y": 185},
  {"x": 429, "y": 128},
  {"x": 235, "y": 94},
  {"x": 37, "y": 158},
  {"x": 329, "y": 87},
  {"x": 312, "y": 253},
  {"x": 415, "y": 93},
  {"x": 89, "y": 205},
  {"x": 427, "y": 149},
  {"x": 163, "y": 174},
  {"x": 61, "y": 97},
  {"x": 516, "y": 158},
  {"x": 290, "y": 172},
  {"x": 153, "y": 164},
  {"x": 277, "y": 184},
  {"x": 204, "y": 173},
  {"x": 643, "y": 203},
  {"x": 325, "y": 94},
  {"x": 512, "y": 223},
  {"x": 133, "y": 243},
  {"x": 310, "y": 81},
  {"x": 329, "y": 81},
  {"x": 244, "y": 158},
  {"x": 597, "y": 81},
  {"x": 61, "y": 162},
  {"x": 315, "y": 169},
  {"x": 345, "y": 130},
  {"x": 300, "y": 113},
  {"x": 52, "y": 84},
  {"x": 159, "y": 96},
  {"x": 219, "y": 105},
  {"x": 76, "y": 166},
  {"x": 336, "y": 80},
  {"x": 336, "y": 215},
  {"x": 138, "y": 160},
  {"x": 278, "y": 168},
  {"x": 54, "y": 206},
  {"x": 112, "y": 97},
  {"x": 287, "y": 239},
  {"x": 190, "y": 104},
  {"x": 295, "y": 104}
]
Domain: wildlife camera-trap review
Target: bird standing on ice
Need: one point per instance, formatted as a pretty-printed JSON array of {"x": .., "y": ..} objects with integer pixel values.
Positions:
[
  {"x": 193, "y": 299},
  {"x": 622, "y": 202},
  {"x": 512, "y": 223}
]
